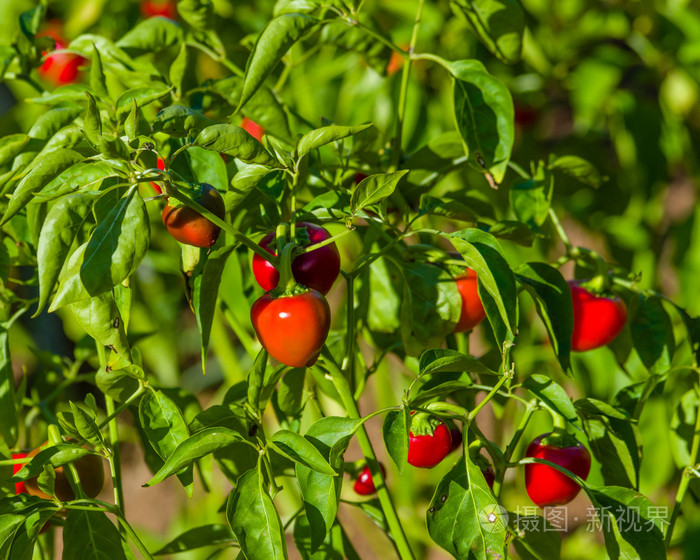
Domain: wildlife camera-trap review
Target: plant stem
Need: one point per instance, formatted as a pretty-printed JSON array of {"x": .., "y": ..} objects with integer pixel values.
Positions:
[
  {"x": 488, "y": 397},
  {"x": 560, "y": 230},
  {"x": 510, "y": 449},
  {"x": 343, "y": 387},
  {"x": 403, "y": 94},
  {"x": 685, "y": 477},
  {"x": 113, "y": 458}
]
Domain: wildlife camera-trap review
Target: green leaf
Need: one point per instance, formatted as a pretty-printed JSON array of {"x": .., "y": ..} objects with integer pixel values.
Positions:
[
  {"x": 92, "y": 122},
  {"x": 395, "y": 431},
  {"x": 496, "y": 281},
  {"x": 56, "y": 456},
  {"x": 39, "y": 175},
  {"x": 234, "y": 141},
  {"x": 254, "y": 519},
  {"x": 336, "y": 545},
  {"x": 274, "y": 41},
  {"x": 91, "y": 534},
  {"x": 98, "y": 82},
  {"x": 442, "y": 360},
  {"x": 143, "y": 96},
  {"x": 100, "y": 318},
  {"x": 151, "y": 35},
  {"x": 321, "y": 492},
  {"x": 430, "y": 307},
  {"x": 484, "y": 115},
  {"x": 464, "y": 517},
  {"x": 85, "y": 424},
  {"x": 178, "y": 69},
  {"x": 180, "y": 122},
  {"x": 121, "y": 383},
  {"x": 11, "y": 146},
  {"x": 552, "y": 297},
  {"x": 205, "y": 292},
  {"x": 322, "y": 136},
  {"x": 535, "y": 538},
  {"x": 614, "y": 441},
  {"x": 500, "y": 24},
  {"x": 531, "y": 201},
  {"x": 373, "y": 189},
  {"x": 652, "y": 332},
  {"x": 166, "y": 430},
  {"x": 199, "y": 537},
  {"x": 8, "y": 409},
  {"x": 195, "y": 447},
  {"x": 552, "y": 394},
  {"x": 578, "y": 168},
  {"x": 630, "y": 524},
  {"x": 300, "y": 450},
  {"x": 117, "y": 246}
]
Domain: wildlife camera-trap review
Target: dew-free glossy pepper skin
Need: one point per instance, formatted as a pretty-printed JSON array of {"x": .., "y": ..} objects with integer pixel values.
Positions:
[
  {"x": 547, "y": 486},
  {"x": 472, "y": 311},
  {"x": 20, "y": 488},
  {"x": 292, "y": 328},
  {"x": 364, "y": 485},
  {"x": 427, "y": 450},
  {"x": 317, "y": 269},
  {"x": 597, "y": 320},
  {"x": 188, "y": 226}
]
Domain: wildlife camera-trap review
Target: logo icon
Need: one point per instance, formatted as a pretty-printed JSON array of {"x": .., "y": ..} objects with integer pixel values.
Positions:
[{"x": 493, "y": 518}]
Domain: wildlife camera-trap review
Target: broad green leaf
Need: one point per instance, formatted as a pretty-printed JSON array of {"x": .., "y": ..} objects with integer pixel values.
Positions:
[
  {"x": 321, "y": 492},
  {"x": 484, "y": 115},
  {"x": 383, "y": 303},
  {"x": 500, "y": 25},
  {"x": 12, "y": 145},
  {"x": 464, "y": 517},
  {"x": 254, "y": 519},
  {"x": 552, "y": 394},
  {"x": 62, "y": 224},
  {"x": 652, "y": 332},
  {"x": 90, "y": 534},
  {"x": 322, "y": 136},
  {"x": 119, "y": 383},
  {"x": 530, "y": 201},
  {"x": 151, "y": 35},
  {"x": 683, "y": 428},
  {"x": 117, "y": 246},
  {"x": 614, "y": 441},
  {"x": 552, "y": 298},
  {"x": 178, "y": 69},
  {"x": 143, "y": 96},
  {"x": 300, "y": 450},
  {"x": 430, "y": 307},
  {"x": 274, "y": 41},
  {"x": 40, "y": 174},
  {"x": 166, "y": 429},
  {"x": 497, "y": 290},
  {"x": 395, "y": 430},
  {"x": 133, "y": 72},
  {"x": 56, "y": 456},
  {"x": 99, "y": 317},
  {"x": 535, "y": 538},
  {"x": 205, "y": 292},
  {"x": 85, "y": 424},
  {"x": 234, "y": 141},
  {"x": 336, "y": 545},
  {"x": 195, "y": 447},
  {"x": 290, "y": 393},
  {"x": 180, "y": 122},
  {"x": 450, "y": 361},
  {"x": 373, "y": 189},
  {"x": 629, "y": 522},
  {"x": 25, "y": 537},
  {"x": 578, "y": 168},
  {"x": 199, "y": 537}
]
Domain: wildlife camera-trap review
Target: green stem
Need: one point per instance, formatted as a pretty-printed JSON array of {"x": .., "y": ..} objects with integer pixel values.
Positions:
[
  {"x": 403, "y": 94},
  {"x": 487, "y": 398},
  {"x": 330, "y": 240},
  {"x": 536, "y": 460},
  {"x": 685, "y": 477},
  {"x": 510, "y": 448},
  {"x": 343, "y": 387},
  {"x": 114, "y": 456},
  {"x": 215, "y": 56},
  {"x": 122, "y": 407},
  {"x": 560, "y": 230}
]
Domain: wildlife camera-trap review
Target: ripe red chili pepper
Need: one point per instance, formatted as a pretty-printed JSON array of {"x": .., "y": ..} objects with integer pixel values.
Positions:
[
  {"x": 364, "y": 485},
  {"x": 547, "y": 486},
  {"x": 597, "y": 320},
  {"x": 190, "y": 227},
  {"x": 292, "y": 328},
  {"x": 427, "y": 450},
  {"x": 317, "y": 269}
]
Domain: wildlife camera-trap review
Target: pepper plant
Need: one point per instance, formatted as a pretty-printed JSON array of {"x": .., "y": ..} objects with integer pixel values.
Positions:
[{"x": 376, "y": 215}]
